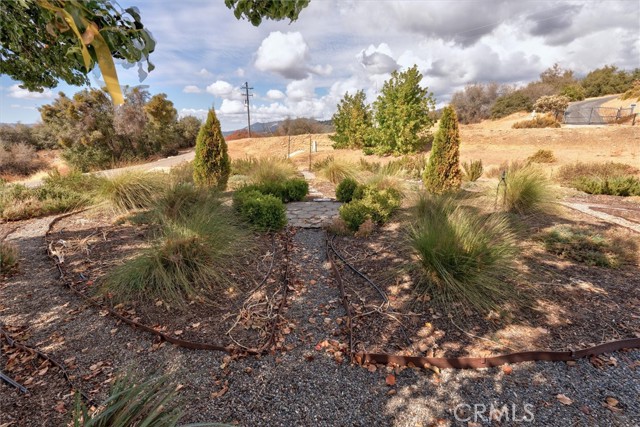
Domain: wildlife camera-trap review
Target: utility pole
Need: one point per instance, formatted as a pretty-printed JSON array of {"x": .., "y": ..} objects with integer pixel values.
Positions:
[{"x": 246, "y": 102}]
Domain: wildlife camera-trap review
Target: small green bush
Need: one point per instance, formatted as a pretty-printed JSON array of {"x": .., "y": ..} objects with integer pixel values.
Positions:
[
  {"x": 464, "y": 257},
  {"x": 354, "y": 214},
  {"x": 382, "y": 203},
  {"x": 345, "y": 190},
  {"x": 539, "y": 122},
  {"x": 584, "y": 246},
  {"x": 264, "y": 211},
  {"x": 615, "y": 186},
  {"x": 472, "y": 170},
  {"x": 510, "y": 103},
  {"x": 291, "y": 190},
  {"x": 8, "y": 258}
]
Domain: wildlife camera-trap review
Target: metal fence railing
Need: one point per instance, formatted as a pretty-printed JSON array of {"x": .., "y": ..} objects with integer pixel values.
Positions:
[{"x": 600, "y": 116}]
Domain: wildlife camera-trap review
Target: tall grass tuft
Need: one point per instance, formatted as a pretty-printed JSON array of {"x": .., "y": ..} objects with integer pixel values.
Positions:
[
  {"x": 134, "y": 190},
  {"x": 271, "y": 169},
  {"x": 528, "y": 191},
  {"x": 198, "y": 244},
  {"x": 542, "y": 156},
  {"x": 472, "y": 170},
  {"x": 8, "y": 258},
  {"x": 334, "y": 170},
  {"x": 132, "y": 403},
  {"x": 464, "y": 257}
]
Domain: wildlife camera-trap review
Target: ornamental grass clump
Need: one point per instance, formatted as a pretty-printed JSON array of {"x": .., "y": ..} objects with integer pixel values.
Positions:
[
  {"x": 462, "y": 256},
  {"x": 188, "y": 259},
  {"x": 528, "y": 191}
]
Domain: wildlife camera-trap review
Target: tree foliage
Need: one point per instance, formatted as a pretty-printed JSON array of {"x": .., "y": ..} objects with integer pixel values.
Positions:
[
  {"x": 473, "y": 104},
  {"x": 443, "y": 170},
  {"x": 94, "y": 134},
  {"x": 211, "y": 166},
  {"x": 608, "y": 80},
  {"x": 256, "y": 10},
  {"x": 44, "y": 41},
  {"x": 402, "y": 114},
  {"x": 352, "y": 121},
  {"x": 510, "y": 103}
]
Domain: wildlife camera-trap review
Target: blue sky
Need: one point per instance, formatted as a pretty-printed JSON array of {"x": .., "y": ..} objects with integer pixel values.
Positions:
[{"x": 302, "y": 69}]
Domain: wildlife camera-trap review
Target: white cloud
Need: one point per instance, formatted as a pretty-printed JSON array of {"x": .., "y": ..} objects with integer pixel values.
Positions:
[
  {"x": 204, "y": 73},
  {"x": 378, "y": 60},
  {"x": 275, "y": 94},
  {"x": 195, "y": 112},
  {"x": 299, "y": 90},
  {"x": 225, "y": 90},
  {"x": 16, "y": 91},
  {"x": 192, "y": 89},
  {"x": 232, "y": 106},
  {"x": 287, "y": 54},
  {"x": 240, "y": 72}
]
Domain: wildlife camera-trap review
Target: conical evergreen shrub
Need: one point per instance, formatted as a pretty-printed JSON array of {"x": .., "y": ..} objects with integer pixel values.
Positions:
[
  {"x": 442, "y": 173},
  {"x": 211, "y": 166}
]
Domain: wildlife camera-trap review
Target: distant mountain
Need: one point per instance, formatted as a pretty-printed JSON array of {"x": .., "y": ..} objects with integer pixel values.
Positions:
[{"x": 270, "y": 128}]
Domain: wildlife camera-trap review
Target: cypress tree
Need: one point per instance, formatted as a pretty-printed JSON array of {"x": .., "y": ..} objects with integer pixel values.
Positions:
[
  {"x": 443, "y": 170},
  {"x": 211, "y": 165}
]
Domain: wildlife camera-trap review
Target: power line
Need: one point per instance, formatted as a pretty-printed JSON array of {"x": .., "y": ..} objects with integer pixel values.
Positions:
[{"x": 246, "y": 102}]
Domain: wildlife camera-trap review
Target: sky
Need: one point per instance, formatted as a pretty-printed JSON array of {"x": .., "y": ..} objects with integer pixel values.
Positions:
[{"x": 302, "y": 69}]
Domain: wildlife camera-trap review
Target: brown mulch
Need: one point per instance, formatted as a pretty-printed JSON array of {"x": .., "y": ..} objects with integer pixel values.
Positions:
[{"x": 570, "y": 305}]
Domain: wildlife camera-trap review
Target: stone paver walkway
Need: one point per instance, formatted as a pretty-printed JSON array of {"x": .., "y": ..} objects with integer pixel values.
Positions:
[
  {"x": 312, "y": 214},
  {"x": 586, "y": 208}
]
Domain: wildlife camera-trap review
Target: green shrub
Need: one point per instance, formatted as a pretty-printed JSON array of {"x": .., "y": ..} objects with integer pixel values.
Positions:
[
  {"x": 264, "y": 211},
  {"x": 354, "y": 214},
  {"x": 291, "y": 190},
  {"x": 574, "y": 92},
  {"x": 134, "y": 190},
  {"x": 528, "y": 191},
  {"x": 211, "y": 165},
  {"x": 584, "y": 246},
  {"x": 132, "y": 403},
  {"x": 510, "y": 103},
  {"x": 382, "y": 203},
  {"x": 540, "y": 121},
  {"x": 345, "y": 190},
  {"x": 542, "y": 156},
  {"x": 614, "y": 186},
  {"x": 633, "y": 93},
  {"x": 8, "y": 258},
  {"x": 464, "y": 257},
  {"x": 443, "y": 170},
  {"x": 189, "y": 259},
  {"x": 472, "y": 170},
  {"x": 334, "y": 170}
]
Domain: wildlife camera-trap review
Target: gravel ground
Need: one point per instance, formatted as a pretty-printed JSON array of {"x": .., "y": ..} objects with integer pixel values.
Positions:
[{"x": 304, "y": 384}]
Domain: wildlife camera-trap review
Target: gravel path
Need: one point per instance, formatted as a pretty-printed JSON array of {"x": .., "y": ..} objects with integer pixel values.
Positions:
[{"x": 305, "y": 384}]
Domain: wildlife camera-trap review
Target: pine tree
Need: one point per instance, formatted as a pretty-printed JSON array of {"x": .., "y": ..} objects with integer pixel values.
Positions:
[
  {"x": 211, "y": 165},
  {"x": 443, "y": 170}
]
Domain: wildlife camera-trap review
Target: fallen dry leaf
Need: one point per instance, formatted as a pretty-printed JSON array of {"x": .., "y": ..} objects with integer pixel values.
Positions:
[
  {"x": 611, "y": 401},
  {"x": 391, "y": 380},
  {"x": 507, "y": 369},
  {"x": 564, "y": 399},
  {"x": 372, "y": 368},
  {"x": 60, "y": 407}
]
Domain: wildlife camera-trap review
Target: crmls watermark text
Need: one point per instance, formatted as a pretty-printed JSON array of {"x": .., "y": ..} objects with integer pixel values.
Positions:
[{"x": 476, "y": 412}]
